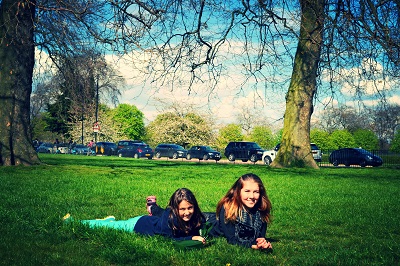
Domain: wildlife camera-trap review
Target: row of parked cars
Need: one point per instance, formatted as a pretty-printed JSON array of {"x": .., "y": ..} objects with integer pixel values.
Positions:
[
  {"x": 138, "y": 149},
  {"x": 236, "y": 150},
  {"x": 64, "y": 148},
  {"x": 251, "y": 151}
]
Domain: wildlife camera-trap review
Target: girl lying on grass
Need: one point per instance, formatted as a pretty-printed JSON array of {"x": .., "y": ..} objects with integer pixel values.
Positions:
[
  {"x": 243, "y": 214},
  {"x": 181, "y": 220}
]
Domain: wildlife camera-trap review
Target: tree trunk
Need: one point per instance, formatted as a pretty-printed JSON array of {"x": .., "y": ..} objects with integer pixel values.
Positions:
[
  {"x": 16, "y": 68},
  {"x": 295, "y": 148}
]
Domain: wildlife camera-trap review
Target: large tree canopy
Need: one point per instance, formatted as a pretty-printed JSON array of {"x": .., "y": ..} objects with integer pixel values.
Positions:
[{"x": 323, "y": 40}]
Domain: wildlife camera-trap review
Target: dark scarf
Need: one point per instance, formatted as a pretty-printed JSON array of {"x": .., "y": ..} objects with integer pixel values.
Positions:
[{"x": 248, "y": 228}]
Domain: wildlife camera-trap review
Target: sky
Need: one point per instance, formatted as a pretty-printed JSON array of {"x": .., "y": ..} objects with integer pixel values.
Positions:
[
  {"x": 230, "y": 97},
  {"x": 223, "y": 103},
  {"x": 227, "y": 100}
]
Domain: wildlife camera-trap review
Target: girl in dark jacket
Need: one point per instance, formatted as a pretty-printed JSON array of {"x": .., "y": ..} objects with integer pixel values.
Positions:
[
  {"x": 181, "y": 220},
  {"x": 243, "y": 214}
]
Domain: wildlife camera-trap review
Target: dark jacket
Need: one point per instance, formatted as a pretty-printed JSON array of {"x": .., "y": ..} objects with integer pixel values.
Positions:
[
  {"x": 241, "y": 232},
  {"x": 159, "y": 225}
]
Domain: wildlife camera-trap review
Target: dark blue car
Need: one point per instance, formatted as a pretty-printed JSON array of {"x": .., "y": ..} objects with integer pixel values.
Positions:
[
  {"x": 203, "y": 153},
  {"x": 137, "y": 150},
  {"x": 354, "y": 156}
]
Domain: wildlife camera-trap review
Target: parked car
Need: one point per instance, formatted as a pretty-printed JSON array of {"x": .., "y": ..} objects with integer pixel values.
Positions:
[
  {"x": 125, "y": 143},
  {"x": 243, "y": 150},
  {"x": 203, "y": 153},
  {"x": 106, "y": 148},
  {"x": 82, "y": 150},
  {"x": 354, "y": 156},
  {"x": 137, "y": 151},
  {"x": 269, "y": 155},
  {"x": 45, "y": 147},
  {"x": 62, "y": 148},
  {"x": 172, "y": 151}
]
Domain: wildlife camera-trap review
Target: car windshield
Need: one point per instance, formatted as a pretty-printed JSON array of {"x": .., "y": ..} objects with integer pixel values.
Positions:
[
  {"x": 364, "y": 151},
  {"x": 314, "y": 147},
  {"x": 178, "y": 147},
  {"x": 110, "y": 144},
  {"x": 255, "y": 145},
  {"x": 208, "y": 148}
]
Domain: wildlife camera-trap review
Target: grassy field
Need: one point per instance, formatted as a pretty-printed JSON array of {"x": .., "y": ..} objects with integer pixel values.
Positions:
[{"x": 331, "y": 216}]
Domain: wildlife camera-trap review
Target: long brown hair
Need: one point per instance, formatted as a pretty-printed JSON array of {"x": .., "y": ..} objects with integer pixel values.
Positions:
[
  {"x": 233, "y": 204},
  {"x": 180, "y": 195}
]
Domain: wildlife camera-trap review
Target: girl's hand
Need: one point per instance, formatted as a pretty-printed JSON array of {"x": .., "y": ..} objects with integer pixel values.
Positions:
[
  {"x": 199, "y": 238},
  {"x": 262, "y": 243}
]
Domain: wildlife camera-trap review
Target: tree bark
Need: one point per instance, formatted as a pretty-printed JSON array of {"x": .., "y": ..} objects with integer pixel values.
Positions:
[
  {"x": 16, "y": 69},
  {"x": 295, "y": 148}
]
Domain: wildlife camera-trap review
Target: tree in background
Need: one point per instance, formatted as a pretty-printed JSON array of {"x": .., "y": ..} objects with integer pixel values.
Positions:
[
  {"x": 379, "y": 119},
  {"x": 129, "y": 122},
  {"x": 396, "y": 142},
  {"x": 320, "y": 137},
  {"x": 249, "y": 117},
  {"x": 230, "y": 132},
  {"x": 263, "y": 136},
  {"x": 344, "y": 117},
  {"x": 72, "y": 94},
  {"x": 366, "y": 139},
  {"x": 385, "y": 119},
  {"x": 341, "y": 139},
  {"x": 180, "y": 128}
]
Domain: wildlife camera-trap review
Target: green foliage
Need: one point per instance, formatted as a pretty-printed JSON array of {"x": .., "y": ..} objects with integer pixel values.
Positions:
[
  {"x": 109, "y": 130},
  {"x": 57, "y": 117},
  {"x": 129, "y": 121},
  {"x": 230, "y": 132},
  {"x": 395, "y": 145},
  {"x": 341, "y": 139},
  {"x": 366, "y": 139},
  {"x": 263, "y": 136},
  {"x": 320, "y": 137},
  {"x": 181, "y": 129},
  {"x": 39, "y": 125},
  {"x": 336, "y": 203},
  {"x": 278, "y": 137},
  {"x": 194, "y": 244}
]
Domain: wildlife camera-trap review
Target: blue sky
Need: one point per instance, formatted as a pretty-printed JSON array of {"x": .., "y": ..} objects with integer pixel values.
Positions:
[
  {"x": 268, "y": 102},
  {"x": 264, "y": 94}
]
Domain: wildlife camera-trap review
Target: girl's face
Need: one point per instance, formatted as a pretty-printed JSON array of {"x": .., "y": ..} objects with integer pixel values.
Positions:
[
  {"x": 250, "y": 193},
  {"x": 186, "y": 210}
]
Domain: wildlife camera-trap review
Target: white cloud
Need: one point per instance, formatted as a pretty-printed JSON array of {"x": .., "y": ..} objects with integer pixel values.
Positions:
[{"x": 395, "y": 99}]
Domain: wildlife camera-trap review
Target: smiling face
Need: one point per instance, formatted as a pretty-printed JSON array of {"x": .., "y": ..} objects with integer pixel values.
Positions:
[
  {"x": 186, "y": 210},
  {"x": 250, "y": 193}
]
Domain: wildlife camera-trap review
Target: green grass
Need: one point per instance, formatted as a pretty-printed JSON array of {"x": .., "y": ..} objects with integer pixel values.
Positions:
[{"x": 331, "y": 216}]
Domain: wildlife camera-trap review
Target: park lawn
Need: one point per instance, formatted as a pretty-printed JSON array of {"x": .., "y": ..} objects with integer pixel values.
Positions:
[{"x": 331, "y": 216}]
